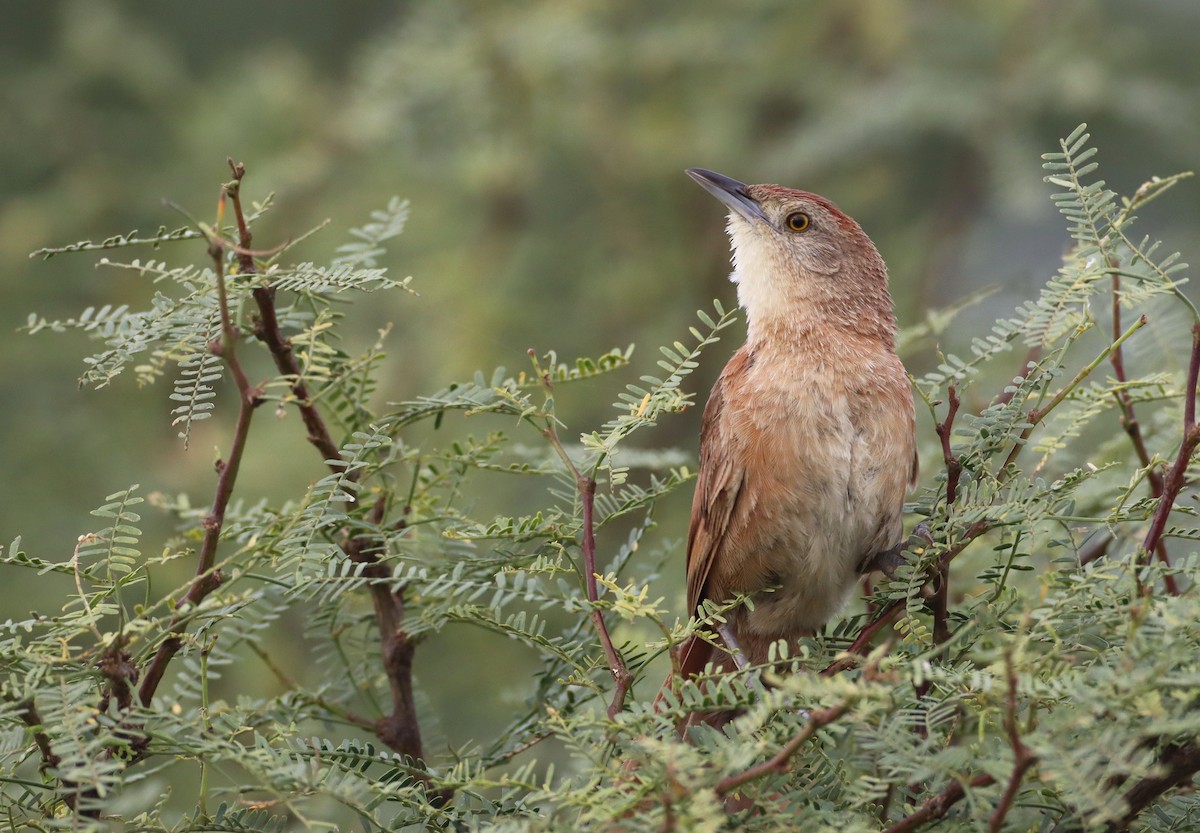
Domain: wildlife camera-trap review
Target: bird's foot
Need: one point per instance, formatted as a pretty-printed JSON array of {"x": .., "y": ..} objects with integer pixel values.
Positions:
[
  {"x": 886, "y": 562},
  {"x": 890, "y": 560}
]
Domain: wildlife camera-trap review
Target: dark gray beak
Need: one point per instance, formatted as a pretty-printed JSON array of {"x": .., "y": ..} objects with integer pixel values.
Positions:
[{"x": 729, "y": 191}]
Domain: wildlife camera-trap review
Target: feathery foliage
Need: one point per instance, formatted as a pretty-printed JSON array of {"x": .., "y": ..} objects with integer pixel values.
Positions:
[{"x": 1040, "y": 673}]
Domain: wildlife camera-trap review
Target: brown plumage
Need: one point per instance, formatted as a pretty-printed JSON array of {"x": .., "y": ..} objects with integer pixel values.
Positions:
[{"x": 807, "y": 446}]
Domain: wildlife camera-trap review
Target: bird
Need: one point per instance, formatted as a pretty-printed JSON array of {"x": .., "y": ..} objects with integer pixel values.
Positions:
[{"x": 808, "y": 442}]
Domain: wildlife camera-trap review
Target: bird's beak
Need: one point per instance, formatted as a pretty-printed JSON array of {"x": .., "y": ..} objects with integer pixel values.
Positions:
[{"x": 729, "y": 191}]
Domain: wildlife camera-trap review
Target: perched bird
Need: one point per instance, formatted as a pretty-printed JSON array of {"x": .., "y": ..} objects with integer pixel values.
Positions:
[{"x": 807, "y": 446}]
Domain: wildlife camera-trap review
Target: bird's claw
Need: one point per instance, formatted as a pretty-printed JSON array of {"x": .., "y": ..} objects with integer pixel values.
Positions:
[{"x": 890, "y": 560}]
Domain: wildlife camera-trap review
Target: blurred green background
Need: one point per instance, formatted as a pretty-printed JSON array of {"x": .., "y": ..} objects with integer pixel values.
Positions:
[{"x": 542, "y": 145}]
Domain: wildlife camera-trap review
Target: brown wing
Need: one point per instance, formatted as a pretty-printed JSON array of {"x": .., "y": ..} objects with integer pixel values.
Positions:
[{"x": 718, "y": 485}]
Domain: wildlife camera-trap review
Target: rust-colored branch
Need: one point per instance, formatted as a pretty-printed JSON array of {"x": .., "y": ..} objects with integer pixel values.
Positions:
[
  {"x": 944, "y": 429},
  {"x": 267, "y": 331},
  {"x": 622, "y": 678},
  {"x": 400, "y": 729},
  {"x": 1023, "y": 758},
  {"x": 1129, "y": 422},
  {"x": 862, "y": 642},
  {"x": 586, "y": 487},
  {"x": 779, "y": 761},
  {"x": 937, "y": 806},
  {"x": 31, "y": 718},
  {"x": 1180, "y": 764},
  {"x": 207, "y": 580},
  {"x": 1176, "y": 476},
  {"x": 940, "y": 602}
]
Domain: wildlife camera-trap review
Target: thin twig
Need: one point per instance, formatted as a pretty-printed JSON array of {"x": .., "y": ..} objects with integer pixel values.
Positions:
[
  {"x": 586, "y": 486},
  {"x": 862, "y": 642},
  {"x": 400, "y": 729},
  {"x": 1023, "y": 759},
  {"x": 88, "y": 538},
  {"x": 937, "y": 806},
  {"x": 267, "y": 330},
  {"x": 207, "y": 580},
  {"x": 940, "y": 602},
  {"x": 939, "y": 606},
  {"x": 31, "y": 718},
  {"x": 779, "y": 761},
  {"x": 1129, "y": 420},
  {"x": 944, "y": 429},
  {"x": 1130, "y": 423},
  {"x": 1176, "y": 476}
]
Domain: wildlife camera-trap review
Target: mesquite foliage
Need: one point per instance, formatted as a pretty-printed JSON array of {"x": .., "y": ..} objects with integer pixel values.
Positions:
[{"x": 1034, "y": 666}]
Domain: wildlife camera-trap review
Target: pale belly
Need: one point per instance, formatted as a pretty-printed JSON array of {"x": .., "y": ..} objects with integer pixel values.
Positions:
[{"x": 830, "y": 496}]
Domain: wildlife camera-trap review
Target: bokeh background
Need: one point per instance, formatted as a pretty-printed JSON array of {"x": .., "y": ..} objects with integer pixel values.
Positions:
[{"x": 542, "y": 146}]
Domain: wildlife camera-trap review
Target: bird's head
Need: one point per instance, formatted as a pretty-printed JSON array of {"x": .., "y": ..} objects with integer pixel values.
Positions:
[{"x": 797, "y": 257}]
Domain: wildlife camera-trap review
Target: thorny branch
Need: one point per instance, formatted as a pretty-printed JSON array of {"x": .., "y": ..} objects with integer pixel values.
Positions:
[
  {"x": 586, "y": 486},
  {"x": 1176, "y": 476},
  {"x": 941, "y": 594},
  {"x": 937, "y": 806},
  {"x": 266, "y": 330},
  {"x": 1179, "y": 762},
  {"x": 779, "y": 761},
  {"x": 1023, "y": 759},
  {"x": 249, "y": 397},
  {"x": 400, "y": 729},
  {"x": 1129, "y": 420}
]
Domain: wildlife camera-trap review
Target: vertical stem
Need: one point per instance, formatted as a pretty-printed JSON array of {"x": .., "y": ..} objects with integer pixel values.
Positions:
[
  {"x": 586, "y": 487},
  {"x": 940, "y": 602},
  {"x": 1129, "y": 422},
  {"x": 622, "y": 678},
  {"x": 944, "y": 429},
  {"x": 204, "y": 653},
  {"x": 206, "y": 580},
  {"x": 1023, "y": 759},
  {"x": 400, "y": 729},
  {"x": 1176, "y": 476}
]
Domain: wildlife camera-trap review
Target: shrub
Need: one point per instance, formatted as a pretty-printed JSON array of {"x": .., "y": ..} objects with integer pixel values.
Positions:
[{"x": 1033, "y": 667}]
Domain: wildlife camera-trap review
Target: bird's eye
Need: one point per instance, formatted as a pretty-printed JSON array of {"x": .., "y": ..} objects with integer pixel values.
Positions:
[{"x": 798, "y": 221}]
